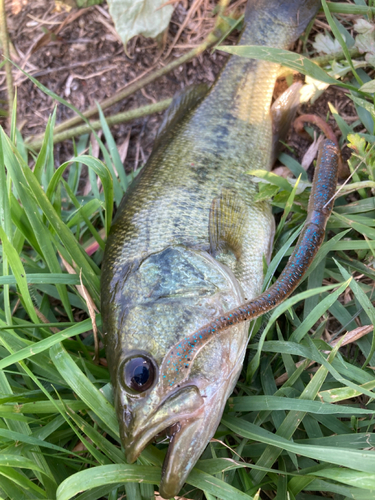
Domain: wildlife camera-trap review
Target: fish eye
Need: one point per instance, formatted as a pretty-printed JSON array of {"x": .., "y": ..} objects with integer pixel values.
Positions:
[{"x": 138, "y": 373}]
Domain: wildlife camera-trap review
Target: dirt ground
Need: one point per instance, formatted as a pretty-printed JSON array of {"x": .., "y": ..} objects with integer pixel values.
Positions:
[{"x": 77, "y": 54}]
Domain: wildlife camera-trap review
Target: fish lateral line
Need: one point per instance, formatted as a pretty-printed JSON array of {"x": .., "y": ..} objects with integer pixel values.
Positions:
[{"x": 177, "y": 363}]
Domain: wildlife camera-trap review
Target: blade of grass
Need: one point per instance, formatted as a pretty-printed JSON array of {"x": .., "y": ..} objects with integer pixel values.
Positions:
[
  {"x": 113, "y": 150},
  {"x": 41, "y": 232},
  {"x": 43, "y": 345},
  {"x": 286, "y": 58},
  {"x": 82, "y": 386},
  {"x": 365, "y": 303},
  {"x": 101, "y": 171},
  {"x": 259, "y": 403},
  {"x": 19, "y": 273},
  {"x": 253, "y": 365},
  {"x": 5, "y": 221}
]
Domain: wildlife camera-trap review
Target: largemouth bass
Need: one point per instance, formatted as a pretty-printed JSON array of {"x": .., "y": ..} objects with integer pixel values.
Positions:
[{"x": 184, "y": 258}]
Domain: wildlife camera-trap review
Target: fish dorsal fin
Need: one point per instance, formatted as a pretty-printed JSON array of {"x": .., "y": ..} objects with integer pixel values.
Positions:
[
  {"x": 227, "y": 221},
  {"x": 182, "y": 103}
]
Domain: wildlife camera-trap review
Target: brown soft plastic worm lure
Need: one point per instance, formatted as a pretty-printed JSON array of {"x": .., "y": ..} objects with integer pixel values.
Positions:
[{"x": 177, "y": 362}]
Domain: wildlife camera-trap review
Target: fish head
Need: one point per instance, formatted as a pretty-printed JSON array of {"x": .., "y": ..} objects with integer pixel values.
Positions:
[{"x": 153, "y": 307}]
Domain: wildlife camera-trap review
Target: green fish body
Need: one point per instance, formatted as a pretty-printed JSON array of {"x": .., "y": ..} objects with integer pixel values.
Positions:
[{"x": 187, "y": 244}]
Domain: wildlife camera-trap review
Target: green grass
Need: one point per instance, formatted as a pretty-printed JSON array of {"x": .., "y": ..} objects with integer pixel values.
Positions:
[{"x": 299, "y": 436}]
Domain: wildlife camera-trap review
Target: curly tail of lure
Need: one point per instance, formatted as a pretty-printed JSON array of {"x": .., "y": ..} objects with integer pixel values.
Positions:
[{"x": 178, "y": 361}]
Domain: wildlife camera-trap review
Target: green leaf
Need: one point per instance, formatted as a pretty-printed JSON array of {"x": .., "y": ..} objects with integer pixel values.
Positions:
[
  {"x": 365, "y": 303},
  {"x": 286, "y": 58},
  {"x": 352, "y": 477},
  {"x": 101, "y": 171},
  {"x": 253, "y": 365},
  {"x": 113, "y": 474},
  {"x": 357, "y": 460},
  {"x": 340, "y": 39},
  {"x": 43, "y": 278},
  {"x": 260, "y": 403},
  {"x": 78, "y": 256},
  {"x": 368, "y": 87},
  {"x": 277, "y": 180},
  {"x": 7, "y": 460},
  {"x": 47, "y": 343},
  {"x": 19, "y": 273},
  {"x": 113, "y": 151},
  {"x": 345, "y": 8},
  {"x": 14, "y": 164},
  {"x": 293, "y": 165},
  {"x": 82, "y": 386}
]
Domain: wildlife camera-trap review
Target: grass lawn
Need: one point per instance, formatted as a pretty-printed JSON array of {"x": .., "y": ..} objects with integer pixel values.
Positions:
[{"x": 300, "y": 422}]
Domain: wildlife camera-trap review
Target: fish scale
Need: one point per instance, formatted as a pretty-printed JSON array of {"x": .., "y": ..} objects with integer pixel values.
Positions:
[
  {"x": 170, "y": 202},
  {"x": 178, "y": 361}
]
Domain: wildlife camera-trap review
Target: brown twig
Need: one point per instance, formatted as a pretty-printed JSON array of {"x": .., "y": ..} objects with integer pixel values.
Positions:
[
  {"x": 192, "y": 10},
  {"x": 45, "y": 320},
  {"x": 8, "y": 66},
  {"x": 46, "y": 38},
  {"x": 91, "y": 307}
]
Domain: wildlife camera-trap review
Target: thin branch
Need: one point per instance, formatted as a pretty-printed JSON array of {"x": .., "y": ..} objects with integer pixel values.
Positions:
[{"x": 96, "y": 125}]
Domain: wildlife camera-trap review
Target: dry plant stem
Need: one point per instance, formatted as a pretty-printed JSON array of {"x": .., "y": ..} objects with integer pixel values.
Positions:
[
  {"x": 8, "y": 66},
  {"x": 192, "y": 10},
  {"x": 134, "y": 87},
  {"x": 111, "y": 120},
  {"x": 45, "y": 320}
]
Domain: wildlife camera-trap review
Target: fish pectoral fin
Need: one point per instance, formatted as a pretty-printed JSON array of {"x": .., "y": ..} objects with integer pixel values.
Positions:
[
  {"x": 182, "y": 103},
  {"x": 226, "y": 224},
  {"x": 283, "y": 111}
]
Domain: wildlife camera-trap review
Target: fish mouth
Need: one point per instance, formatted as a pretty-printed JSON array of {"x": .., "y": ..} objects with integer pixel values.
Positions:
[
  {"x": 183, "y": 451},
  {"x": 183, "y": 426},
  {"x": 178, "y": 408}
]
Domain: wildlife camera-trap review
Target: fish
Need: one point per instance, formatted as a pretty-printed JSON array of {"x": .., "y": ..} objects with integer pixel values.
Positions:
[{"x": 183, "y": 266}]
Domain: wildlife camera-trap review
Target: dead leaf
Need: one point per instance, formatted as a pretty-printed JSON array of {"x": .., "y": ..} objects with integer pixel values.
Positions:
[
  {"x": 312, "y": 152},
  {"x": 353, "y": 335},
  {"x": 16, "y": 6},
  {"x": 139, "y": 17},
  {"x": 82, "y": 290}
]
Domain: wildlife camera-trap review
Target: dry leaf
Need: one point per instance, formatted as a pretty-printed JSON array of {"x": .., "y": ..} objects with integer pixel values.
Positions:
[{"x": 139, "y": 17}]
